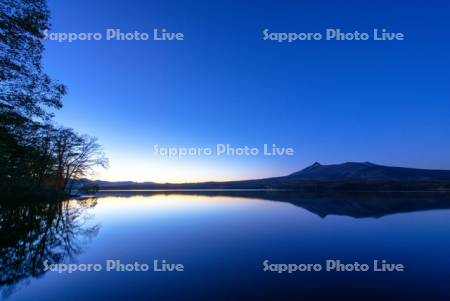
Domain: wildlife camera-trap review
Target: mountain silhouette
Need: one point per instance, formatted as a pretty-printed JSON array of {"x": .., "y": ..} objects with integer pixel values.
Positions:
[
  {"x": 350, "y": 176},
  {"x": 366, "y": 171}
]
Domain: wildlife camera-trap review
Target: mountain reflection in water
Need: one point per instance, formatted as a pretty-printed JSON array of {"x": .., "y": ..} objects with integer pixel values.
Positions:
[
  {"x": 155, "y": 223},
  {"x": 358, "y": 204}
]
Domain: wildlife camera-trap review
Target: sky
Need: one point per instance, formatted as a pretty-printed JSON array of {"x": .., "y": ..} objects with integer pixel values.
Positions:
[{"x": 386, "y": 102}]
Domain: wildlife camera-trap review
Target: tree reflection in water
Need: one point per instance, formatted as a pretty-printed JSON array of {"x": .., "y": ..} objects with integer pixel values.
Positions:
[{"x": 37, "y": 231}]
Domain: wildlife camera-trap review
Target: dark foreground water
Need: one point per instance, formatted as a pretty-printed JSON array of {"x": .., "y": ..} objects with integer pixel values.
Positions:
[{"x": 222, "y": 239}]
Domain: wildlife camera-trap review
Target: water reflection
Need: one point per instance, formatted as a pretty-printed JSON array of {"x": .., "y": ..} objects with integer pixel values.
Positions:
[
  {"x": 357, "y": 205},
  {"x": 33, "y": 232},
  {"x": 222, "y": 237}
]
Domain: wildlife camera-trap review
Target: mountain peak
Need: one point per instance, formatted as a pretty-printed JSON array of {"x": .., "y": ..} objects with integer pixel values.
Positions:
[
  {"x": 367, "y": 171},
  {"x": 314, "y": 166}
]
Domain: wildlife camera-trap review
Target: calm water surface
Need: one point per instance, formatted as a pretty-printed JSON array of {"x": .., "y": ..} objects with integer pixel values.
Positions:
[{"x": 222, "y": 239}]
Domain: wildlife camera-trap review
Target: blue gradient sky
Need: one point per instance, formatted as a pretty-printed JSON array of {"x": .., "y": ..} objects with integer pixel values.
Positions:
[{"x": 385, "y": 102}]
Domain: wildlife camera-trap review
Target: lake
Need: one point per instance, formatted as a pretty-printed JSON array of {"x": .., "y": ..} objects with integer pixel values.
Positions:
[{"x": 227, "y": 245}]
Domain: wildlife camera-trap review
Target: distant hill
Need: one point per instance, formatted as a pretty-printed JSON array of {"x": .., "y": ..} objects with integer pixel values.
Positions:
[
  {"x": 350, "y": 176},
  {"x": 353, "y": 171}
]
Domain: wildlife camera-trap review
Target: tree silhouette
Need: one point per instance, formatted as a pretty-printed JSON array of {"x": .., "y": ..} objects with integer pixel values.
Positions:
[
  {"x": 37, "y": 231},
  {"x": 34, "y": 154}
]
